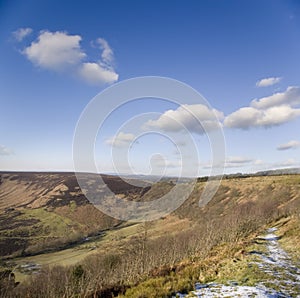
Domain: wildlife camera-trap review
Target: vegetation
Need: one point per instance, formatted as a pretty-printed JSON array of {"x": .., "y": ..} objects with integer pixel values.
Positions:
[{"x": 158, "y": 259}]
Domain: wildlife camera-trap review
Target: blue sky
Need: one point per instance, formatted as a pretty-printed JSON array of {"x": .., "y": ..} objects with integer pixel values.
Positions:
[{"x": 242, "y": 56}]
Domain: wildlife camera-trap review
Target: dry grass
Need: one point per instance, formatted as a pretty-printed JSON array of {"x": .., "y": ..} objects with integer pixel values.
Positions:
[{"x": 190, "y": 245}]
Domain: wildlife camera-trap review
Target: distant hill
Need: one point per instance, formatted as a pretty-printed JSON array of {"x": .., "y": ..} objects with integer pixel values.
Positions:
[
  {"x": 41, "y": 211},
  {"x": 46, "y": 210},
  {"x": 288, "y": 171},
  {"x": 276, "y": 172},
  {"x": 45, "y": 220}
]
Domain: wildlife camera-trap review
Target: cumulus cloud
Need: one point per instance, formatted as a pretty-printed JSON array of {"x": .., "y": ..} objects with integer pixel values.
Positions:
[
  {"x": 245, "y": 118},
  {"x": 102, "y": 70},
  {"x": 121, "y": 139},
  {"x": 60, "y": 51},
  {"x": 21, "y": 33},
  {"x": 289, "y": 97},
  {"x": 5, "y": 151},
  {"x": 196, "y": 118},
  {"x": 55, "y": 50},
  {"x": 268, "y": 111},
  {"x": 94, "y": 73},
  {"x": 268, "y": 82},
  {"x": 290, "y": 145}
]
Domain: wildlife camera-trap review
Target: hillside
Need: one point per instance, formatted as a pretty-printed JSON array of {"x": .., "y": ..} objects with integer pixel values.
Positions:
[
  {"x": 42, "y": 211},
  {"x": 46, "y": 222}
]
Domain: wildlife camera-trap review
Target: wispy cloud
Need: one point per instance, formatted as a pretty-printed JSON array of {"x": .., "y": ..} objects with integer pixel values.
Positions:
[
  {"x": 21, "y": 33},
  {"x": 268, "y": 82},
  {"x": 260, "y": 165},
  {"x": 102, "y": 70},
  {"x": 289, "y": 145},
  {"x": 291, "y": 162},
  {"x": 238, "y": 160},
  {"x": 107, "y": 52},
  {"x": 159, "y": 161},
  {"x": 60, "y": 51},
  {"x": 121, "y": 139},
  {"x": 5, "y": 150},
  {"x": 231, "y": 162}
]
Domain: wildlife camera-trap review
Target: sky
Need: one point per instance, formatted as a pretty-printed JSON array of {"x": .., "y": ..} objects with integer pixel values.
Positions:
[{"x": 243, "y": 57}]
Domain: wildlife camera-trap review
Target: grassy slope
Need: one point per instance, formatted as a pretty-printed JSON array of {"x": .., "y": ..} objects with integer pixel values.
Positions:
[
  {"x": 241, "y": 209},
  {"x": 41, "y": 211},
  {"x": 230, "y": 260},
  {"x": 225, "y": 263},
  {"x": 290, "y": 232}
]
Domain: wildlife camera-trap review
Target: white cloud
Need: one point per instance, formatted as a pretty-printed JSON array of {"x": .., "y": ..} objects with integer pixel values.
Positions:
[
  {"x": 249, "y": 165},
  {"x": 242, "y": 118},
  {"x": 259, "y": 165},
  {"x": 238, "y": 160},
  {"x": 268, "y": 82},
  {"x": 5, "y": 151},
  {"x": 121, "y": 139},
  {"x": 268, "y": 111},
  {"x": 290, "y": 145},
  {"x": 107, "y": 53},
  {"x": 95, "y": 73},
  {"x": 21, "y": 33},
  {"x": 258, "y": 162},
  {"x": 55, "y": 50},
  {"x": 60, "y": 51},
  {"x": 159, "y": 161},
  {"x": 290, "y": 97},
  {"x": 195, "y": 118},
  {"x": 245, "y": 118},
  {"x": 230, "y": 162},
  {"x": 291, "y": 162},
  {"x": 100, "y": 72}
]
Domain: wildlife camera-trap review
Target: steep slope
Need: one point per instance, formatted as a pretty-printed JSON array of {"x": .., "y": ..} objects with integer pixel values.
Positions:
[
  {"x": 161, "y": 258},
  {"x": 41, "y": 211}
]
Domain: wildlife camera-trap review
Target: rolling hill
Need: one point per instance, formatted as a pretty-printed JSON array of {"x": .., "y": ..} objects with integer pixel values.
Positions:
[{"x": 46, "y": 222}]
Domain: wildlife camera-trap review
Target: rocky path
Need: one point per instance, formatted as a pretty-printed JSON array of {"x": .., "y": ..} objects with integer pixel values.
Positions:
[{"x": 271, "y": 259}]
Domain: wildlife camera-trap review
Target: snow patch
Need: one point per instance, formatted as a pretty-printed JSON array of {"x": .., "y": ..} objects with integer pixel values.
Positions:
[{"x": 275, "y": 262}]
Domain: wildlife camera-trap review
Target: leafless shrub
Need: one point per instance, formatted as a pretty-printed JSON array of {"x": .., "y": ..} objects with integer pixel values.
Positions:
[{"x": 226, "y": 220}]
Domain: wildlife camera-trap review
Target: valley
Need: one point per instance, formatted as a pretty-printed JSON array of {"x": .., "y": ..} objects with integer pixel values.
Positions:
[{"x": 49, "y": 231}]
